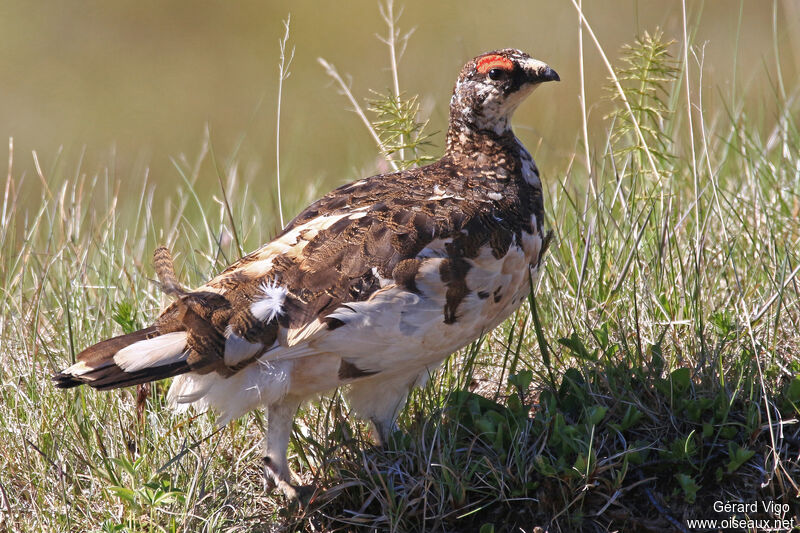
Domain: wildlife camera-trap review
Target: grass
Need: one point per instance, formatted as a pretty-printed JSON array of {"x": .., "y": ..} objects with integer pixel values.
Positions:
[{"x": 653, "y": 372}]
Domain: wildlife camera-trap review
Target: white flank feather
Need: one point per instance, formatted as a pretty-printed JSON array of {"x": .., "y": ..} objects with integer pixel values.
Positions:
[
  {"x": 158, "y": 351},
  {"x": 262, "y": 383},
  {"x": 190, "y": 388},
  {"x": 271, "y": 304},
  {"x": 259, "y": 384},
  {"x": 238, "y": 349}
]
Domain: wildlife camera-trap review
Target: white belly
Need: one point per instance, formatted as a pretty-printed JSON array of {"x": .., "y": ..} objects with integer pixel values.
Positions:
[{"x": 396, "y": 328}]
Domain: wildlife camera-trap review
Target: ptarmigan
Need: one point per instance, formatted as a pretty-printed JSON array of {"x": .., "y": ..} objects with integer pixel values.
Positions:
[{"x": 370, "y": 287}]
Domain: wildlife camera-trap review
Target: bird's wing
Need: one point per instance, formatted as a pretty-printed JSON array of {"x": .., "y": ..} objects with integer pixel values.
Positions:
[{"x": 459, "y": 285}]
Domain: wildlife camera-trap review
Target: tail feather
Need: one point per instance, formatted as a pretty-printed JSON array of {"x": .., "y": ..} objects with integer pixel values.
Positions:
[
  {"x": 162, "y": 261},
  {"x": 159, "y": 351},
  {"x": 115, "y": 379},
  {"x": 183, "y": 339},
  {"x": 131, "y": 359}
]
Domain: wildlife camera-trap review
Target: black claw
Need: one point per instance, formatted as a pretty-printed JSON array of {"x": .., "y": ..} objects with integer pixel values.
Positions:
[
  {"x": 305, "y": 494},
  {"x": 269, "y": 475}
]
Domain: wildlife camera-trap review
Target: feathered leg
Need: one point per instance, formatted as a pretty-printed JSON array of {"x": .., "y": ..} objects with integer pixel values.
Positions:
[
  {"x": 276, "y": 465},
  {"x": 379, "y": 399}
]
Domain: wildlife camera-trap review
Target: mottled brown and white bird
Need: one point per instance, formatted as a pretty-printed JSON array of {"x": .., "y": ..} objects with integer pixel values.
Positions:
[{"x": 371, "y": 287}]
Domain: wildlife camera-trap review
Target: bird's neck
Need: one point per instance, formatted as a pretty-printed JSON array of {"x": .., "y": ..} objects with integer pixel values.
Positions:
[{"x": 465, "y": 138}]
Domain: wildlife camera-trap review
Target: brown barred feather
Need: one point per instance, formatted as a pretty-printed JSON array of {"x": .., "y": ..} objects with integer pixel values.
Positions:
[{"x": 162, "y": 261}]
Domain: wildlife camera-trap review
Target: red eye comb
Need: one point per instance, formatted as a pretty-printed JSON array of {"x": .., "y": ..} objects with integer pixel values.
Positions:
[{"x": 487, "y": 63}]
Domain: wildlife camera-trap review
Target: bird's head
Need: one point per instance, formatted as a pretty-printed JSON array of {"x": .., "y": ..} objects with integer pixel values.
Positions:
[{"x": 491, "y": 86}]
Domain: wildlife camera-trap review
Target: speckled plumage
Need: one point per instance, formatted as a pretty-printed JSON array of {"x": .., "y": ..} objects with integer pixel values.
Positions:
[{"x": 371, "y": 286}]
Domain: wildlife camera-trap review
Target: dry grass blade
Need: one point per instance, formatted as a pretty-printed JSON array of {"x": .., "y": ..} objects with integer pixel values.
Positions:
[
  {"x": 345, "y": 89},
  {"x": 283, "y": 75}
]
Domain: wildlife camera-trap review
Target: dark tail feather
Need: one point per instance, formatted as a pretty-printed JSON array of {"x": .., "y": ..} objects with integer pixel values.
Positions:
[
  {"x": 96, "y": 366},
  {"x": 113, "y": 377}
]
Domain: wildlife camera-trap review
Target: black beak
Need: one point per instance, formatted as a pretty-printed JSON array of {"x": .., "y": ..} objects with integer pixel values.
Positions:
[{"x": 545, "y": 74}]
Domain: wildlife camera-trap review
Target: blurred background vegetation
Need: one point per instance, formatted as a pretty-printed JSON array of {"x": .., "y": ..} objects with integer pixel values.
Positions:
[{"x": 124, "y": 87}]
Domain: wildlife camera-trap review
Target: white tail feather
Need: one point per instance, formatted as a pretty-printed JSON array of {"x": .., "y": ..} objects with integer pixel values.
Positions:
[
  {"x": 80, "y": 368},
  {"x": 158, "y": 351}
]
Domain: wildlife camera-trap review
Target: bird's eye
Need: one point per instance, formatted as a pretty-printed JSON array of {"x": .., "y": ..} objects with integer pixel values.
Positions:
[{"x": 496, "y": 74}]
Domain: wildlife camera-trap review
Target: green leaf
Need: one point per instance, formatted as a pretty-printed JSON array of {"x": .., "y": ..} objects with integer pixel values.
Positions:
[
  {"x": 168, "y": 497},
  {"x": 602, "y": 335},
  {"x": 793, "y": 390},
  {"x": 125, "y": 464},
  {"x": 681, "y": 378},
  {"x": 109, "y": 526},
  {"x": 124, "y": 493},
  {"x": 631, "y": 417},
  {"x": 585, "y": 464},
  {"x": 575, "y": 345},
  {"x": 544, "y": 466},
  {"x": 521, "y": 380},
  {"x": 656, "y": 358},
  {"x": 682, "y": 449},
  {"x": 486, "y": 426},
  {"x": 696, "y": 408},
  {"x": 753, "y": 417},
  {"x": 689, "y": 487},
  {"x": 396, "y": 123},
  {"x": 737, "y": 456},
  {"x": 595, "y": 414}
]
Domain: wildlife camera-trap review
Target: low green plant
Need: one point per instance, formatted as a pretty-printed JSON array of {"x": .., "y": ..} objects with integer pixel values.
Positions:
[{"x": 400, "y": 129}]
